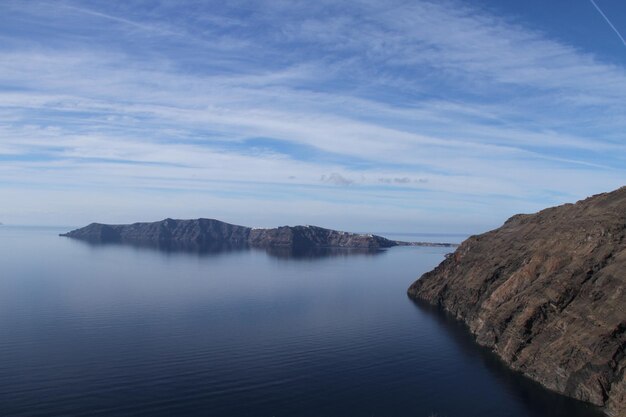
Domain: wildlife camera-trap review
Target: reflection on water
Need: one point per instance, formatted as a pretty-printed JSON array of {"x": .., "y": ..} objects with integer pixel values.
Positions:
[
  {"x": 126, "y": 331},
  {"x": 170, "y": 246},
  {"x": 313, "y": 253},
  {"x": 204, "y": 249},
  {"x": 536, "y": 398}
]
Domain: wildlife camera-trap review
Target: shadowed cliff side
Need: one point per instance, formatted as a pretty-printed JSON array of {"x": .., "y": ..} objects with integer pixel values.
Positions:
[
  {"x": 198, "y": 231},
  {"x": 547, "y": 292}
]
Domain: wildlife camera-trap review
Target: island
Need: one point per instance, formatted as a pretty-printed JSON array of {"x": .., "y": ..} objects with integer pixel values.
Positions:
[
  {"x": 211, "y": 232},
  {"x": 547, "y": 292}
]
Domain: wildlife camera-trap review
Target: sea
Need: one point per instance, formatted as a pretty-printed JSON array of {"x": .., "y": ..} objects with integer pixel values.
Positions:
[{"x": 119, "y": 330}]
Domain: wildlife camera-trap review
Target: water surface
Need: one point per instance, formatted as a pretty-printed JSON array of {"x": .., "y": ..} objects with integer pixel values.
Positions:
[{"x": 120, "y": 330}]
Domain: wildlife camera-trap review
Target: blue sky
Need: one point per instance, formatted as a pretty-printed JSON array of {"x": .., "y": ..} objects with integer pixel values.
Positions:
[{"x": 404, "y": 116}]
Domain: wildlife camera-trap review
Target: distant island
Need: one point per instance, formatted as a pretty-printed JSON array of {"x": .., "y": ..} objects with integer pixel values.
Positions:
[
  {"x": 547, "y": 292},
  {"x": 211, "y": 232}
]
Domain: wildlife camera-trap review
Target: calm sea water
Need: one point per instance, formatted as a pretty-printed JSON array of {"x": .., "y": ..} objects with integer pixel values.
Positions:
[{"x": 117, "y": 330}]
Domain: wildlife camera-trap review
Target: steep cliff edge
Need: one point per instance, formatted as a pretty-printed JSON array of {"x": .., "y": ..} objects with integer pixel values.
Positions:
[
  {"x": 198, "y": 231},
  {"x": 313, "y": 236},
  {"x": 547, "y": 292}
]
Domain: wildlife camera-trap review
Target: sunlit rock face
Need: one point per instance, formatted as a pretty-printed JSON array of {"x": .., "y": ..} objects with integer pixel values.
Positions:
[{"x": 546, "y": 292}]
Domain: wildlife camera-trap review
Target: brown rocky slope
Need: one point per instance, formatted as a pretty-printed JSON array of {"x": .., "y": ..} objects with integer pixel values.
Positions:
[{"x": 547, "y": 292}]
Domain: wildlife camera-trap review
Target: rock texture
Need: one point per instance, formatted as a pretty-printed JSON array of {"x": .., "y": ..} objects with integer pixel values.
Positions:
[
  {"x": 209, "y": 232},
  {"x": 547, "y": 292},
  {"x": 199, "y": 231},
  {"x": 313, "y": 236}
]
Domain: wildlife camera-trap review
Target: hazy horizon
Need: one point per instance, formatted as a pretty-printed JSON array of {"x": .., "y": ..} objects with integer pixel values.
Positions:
[
  {"x": 397, "y": 233},
  {"x": 430, "y": 117}
]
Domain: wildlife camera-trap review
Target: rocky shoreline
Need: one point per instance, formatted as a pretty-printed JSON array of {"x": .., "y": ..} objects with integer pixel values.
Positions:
[{"x": 547, "y": 293}]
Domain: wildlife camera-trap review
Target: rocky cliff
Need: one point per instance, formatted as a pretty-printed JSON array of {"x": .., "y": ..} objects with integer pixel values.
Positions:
[
  {"x": 214, "y": 232},
  {"x": 313, "y": 236},
  {"x": 198, "y": 231},
  {"x": 547, "y": 292}
]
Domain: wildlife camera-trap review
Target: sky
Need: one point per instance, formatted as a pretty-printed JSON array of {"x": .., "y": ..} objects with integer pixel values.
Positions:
[{"x": 440, "y": 116}]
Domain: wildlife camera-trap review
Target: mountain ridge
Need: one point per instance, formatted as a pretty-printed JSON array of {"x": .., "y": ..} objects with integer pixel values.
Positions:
[{"x": 211, "y": 231}]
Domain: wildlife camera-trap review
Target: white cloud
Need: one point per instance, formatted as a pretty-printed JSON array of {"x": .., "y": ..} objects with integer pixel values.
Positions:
[
  {"x": 336, "y": 179},
  {"x": 517, "y": 115}
]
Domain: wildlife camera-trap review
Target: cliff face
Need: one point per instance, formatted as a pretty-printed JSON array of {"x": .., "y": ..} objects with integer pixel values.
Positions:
[
  {"x": 215, "y": 232},
  {"x": 199, "y": 231},
  {"x": 547, "y": 292},
  {"x": 312, "y": 236}
]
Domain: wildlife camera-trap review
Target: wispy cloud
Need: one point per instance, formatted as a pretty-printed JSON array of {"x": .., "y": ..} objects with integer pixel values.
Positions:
[
  {"x": 336, "y": 179},
  {"x": 286, "y": 101},
  {"x": 116, "y": 19}
]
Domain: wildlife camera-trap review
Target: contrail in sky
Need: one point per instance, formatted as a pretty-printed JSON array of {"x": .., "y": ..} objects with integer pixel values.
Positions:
[{"x": 609, "y": 22}]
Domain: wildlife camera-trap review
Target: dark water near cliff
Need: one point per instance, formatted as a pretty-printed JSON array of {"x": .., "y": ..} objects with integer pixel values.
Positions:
[{"x": 117, "y": 330}]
